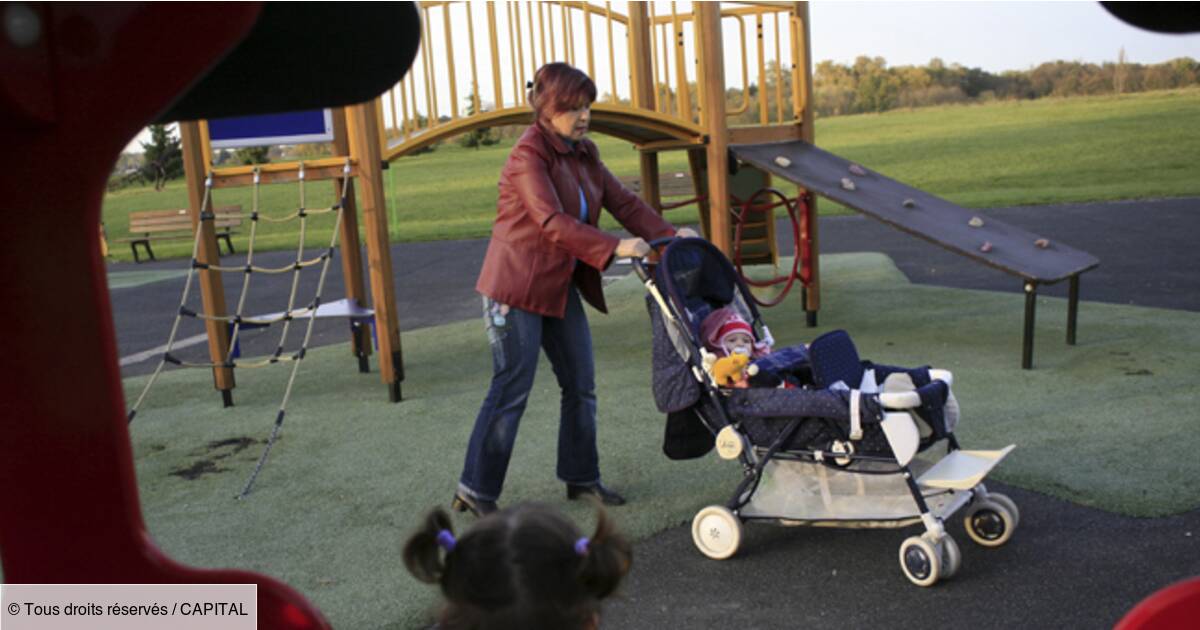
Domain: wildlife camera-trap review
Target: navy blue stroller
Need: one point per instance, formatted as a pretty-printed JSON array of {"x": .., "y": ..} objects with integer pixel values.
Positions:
[{"x": 850, "y": 446}]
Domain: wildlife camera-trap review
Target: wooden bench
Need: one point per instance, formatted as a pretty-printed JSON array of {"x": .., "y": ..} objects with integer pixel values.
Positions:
[
  {"x": 669, "y": 185},
  {"x": 150, "y": 225}
]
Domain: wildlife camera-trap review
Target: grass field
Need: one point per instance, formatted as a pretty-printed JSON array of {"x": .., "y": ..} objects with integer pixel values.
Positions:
[
  {"x": 1009, "y": 153},
  {"x": 1103, "y": 424}
]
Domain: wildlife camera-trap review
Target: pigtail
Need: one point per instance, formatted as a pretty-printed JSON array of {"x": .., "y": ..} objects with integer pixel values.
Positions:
[
  {"x": 422, "y": 552},
  {"x": 607, "y": 557}
]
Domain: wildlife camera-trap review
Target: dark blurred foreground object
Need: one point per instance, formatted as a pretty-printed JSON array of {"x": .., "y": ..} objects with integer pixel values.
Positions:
[
  {"x": 307, "y": 55},
  {"x": 77, "y": 82},
  {"x": 1161, "y": 17}
]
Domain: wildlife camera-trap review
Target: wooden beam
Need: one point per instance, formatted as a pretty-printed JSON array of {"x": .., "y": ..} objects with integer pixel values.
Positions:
[
  {"x": 212, "y": 290},
  {"x": 672, "y": 145},
  {"x": 351, "y": 247},
  {"x": 283, "y": 172},
  {"x": 696, "y": 158},
  {"x": 361, "y": 122},
  {"x": 642, "y": 85},
  {"x": 802, "y": 53},
  {"x": 765, "y": 133},
  {"x": 712, "y": 100}
]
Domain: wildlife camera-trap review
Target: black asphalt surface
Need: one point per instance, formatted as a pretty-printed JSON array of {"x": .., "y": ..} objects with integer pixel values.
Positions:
[{"x": 1067, "y": 566}]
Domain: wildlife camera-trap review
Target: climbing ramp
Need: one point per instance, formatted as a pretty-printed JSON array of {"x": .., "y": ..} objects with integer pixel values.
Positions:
[{"x": 1030, "y": 257}]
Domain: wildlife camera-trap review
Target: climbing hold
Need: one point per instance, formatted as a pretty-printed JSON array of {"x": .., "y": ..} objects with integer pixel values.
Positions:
[
  {"x": 909, "y": 203},
  {"x": 857, "y": 170},
  {"x": 848, "y": 183},
  {"x": 986, "y": 247},
  {"x": 1042, "y": 243},
  {"x": 975, "y": 222},
  {"x": 782, "y": 161}
]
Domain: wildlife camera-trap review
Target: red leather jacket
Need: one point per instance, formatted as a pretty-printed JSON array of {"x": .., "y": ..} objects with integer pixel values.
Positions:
[{"x": 537, "y": 236}]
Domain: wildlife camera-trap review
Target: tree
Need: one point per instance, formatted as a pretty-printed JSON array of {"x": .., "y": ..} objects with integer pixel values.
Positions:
[
  {"x": 479, "y": 137},
  {"x": 163, "y": 157},
  {"x": 252, "y": 155},
  {"x": 1119, "y": 73}
]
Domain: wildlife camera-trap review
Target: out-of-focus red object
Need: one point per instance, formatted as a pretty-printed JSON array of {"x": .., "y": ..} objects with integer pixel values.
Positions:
[
  {"x": 77, "y": 82},
  {"x": 1173, "y": 608}
]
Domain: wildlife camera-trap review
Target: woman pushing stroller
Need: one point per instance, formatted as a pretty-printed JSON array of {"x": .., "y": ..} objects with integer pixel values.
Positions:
[{"x": 545, "y": 254}]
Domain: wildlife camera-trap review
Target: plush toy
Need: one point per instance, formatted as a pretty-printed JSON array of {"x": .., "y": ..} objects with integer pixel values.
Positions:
[{"x": 734, "y": 370}]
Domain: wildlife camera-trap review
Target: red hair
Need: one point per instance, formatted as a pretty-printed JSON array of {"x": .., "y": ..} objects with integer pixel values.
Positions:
[{"x": 559, "y": 87}]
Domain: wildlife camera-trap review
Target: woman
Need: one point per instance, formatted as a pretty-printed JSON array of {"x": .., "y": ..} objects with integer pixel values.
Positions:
[{"x": 545, "y": 254}]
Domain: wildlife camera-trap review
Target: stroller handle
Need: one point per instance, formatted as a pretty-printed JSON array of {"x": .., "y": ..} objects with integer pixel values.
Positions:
[{"x": 639, "y": 264}]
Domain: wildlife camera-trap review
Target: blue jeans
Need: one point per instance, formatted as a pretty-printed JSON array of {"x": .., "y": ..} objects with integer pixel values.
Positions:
[{"x": 515, "y": 340}]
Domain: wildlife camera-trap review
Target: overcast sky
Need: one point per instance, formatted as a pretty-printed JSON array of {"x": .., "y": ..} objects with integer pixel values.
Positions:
[{"x": 994, "y": 36}]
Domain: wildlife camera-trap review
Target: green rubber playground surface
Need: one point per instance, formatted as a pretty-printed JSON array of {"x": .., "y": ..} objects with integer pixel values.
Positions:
[
  {"x": 351, "y": 474},
  {"x": 128, "y": 279}
]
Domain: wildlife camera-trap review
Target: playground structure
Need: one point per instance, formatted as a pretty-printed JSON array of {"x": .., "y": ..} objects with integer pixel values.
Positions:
[
  {"x": 662, "y": 78},
  {"x": 356, "y": 158},
  {"x": 649, "y": 102}
]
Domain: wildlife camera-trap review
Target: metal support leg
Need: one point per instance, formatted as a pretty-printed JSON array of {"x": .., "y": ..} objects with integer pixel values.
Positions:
[
  {"x": 359, "y": 334},
  {"x": 227, "y": 397},
  {"x": 1027, "y": 341},
  {"x": 810, "y": 317},
  {"x": 1072, "y": 308}
]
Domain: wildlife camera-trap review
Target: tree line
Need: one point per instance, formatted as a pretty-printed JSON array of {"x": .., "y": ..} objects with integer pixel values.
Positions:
[{"x": 869, "y": 85}]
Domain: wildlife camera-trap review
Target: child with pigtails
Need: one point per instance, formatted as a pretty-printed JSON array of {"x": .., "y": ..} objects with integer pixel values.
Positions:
[{"x": 523, "y": 567}]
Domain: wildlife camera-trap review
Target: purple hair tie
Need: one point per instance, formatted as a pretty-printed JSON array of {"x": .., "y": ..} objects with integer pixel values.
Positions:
[
  {"x": 445, "y": 540},
  {"x": 581, "y": 546}
]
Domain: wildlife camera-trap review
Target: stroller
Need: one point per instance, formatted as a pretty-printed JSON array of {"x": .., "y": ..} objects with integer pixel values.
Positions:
[{"x": 851, "y": 446}]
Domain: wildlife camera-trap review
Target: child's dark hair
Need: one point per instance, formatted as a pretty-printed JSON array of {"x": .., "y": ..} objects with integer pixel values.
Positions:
[{"x": 523, "y": 567}]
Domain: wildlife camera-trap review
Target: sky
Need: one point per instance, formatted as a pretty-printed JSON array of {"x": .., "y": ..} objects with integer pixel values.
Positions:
[{"x": 994, "y": 36}]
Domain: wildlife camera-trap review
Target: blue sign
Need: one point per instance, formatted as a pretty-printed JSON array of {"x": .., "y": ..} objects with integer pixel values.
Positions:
[{"x": 266, "y": 129}]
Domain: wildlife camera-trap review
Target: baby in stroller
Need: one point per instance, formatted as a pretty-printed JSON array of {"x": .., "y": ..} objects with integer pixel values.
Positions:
[
  {"x": 725, "y": 332},
  {"x": 839, "y": 448}
]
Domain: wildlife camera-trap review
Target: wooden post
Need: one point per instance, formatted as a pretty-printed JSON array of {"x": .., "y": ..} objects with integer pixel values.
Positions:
[
  {"x": 495, "y": 46},
  {"x": 712, "y": 100},
  {"x": 212, "y": 289},
  {"x": 351, "y": 247},
  {"x": 802, "y": 73},
  {"x": 696, "y": 158},
  {"x": 362, "y": 130},
  {"x": 642, "y": 86}
]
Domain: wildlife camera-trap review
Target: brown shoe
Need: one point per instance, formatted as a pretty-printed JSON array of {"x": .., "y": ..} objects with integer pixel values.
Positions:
[{"x": 479, "y": 507}]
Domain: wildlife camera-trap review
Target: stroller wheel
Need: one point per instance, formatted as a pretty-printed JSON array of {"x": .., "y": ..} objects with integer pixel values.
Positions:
[
  {"x": 951, "y": 557},
  {"x": 1008, "y": 503},
  {"x": 989, "y": 523},
  {"x": 920, "y": 561},
  {"x": 717, "y": 532}
]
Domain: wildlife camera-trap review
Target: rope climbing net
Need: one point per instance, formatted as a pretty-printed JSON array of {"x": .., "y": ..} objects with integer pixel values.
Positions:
[{"x": 238, "y": 319}]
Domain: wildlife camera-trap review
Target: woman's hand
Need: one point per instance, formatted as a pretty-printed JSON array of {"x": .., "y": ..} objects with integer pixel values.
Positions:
[
  {"x": 686, "y": 232},
  {"x": 632, "y": 248}
]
